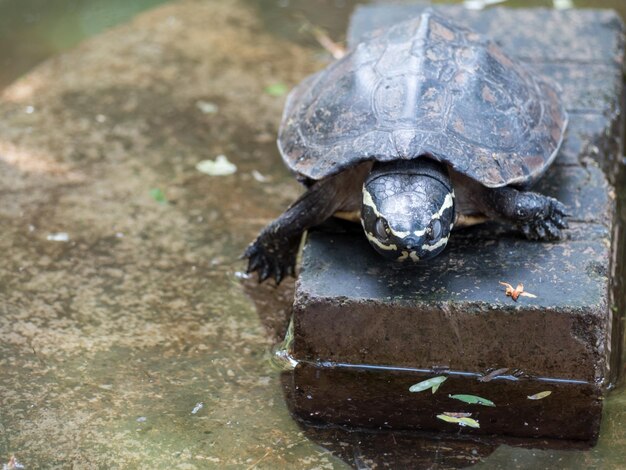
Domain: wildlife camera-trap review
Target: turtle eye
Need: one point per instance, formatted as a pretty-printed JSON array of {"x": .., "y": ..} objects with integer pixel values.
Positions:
[
  {"x": 434, "y": 231},
  {"x": 382, "y": 229}
]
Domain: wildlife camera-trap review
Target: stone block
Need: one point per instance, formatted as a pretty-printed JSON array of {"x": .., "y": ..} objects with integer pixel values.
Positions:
[
  {"x": 364, "y": 330},
  {"x": 452, "y": 313}
]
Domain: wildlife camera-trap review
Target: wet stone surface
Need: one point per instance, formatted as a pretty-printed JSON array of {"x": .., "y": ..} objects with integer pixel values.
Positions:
[
  {"x": 365, "y": 331},
  {"x": 110, "y": 339}
]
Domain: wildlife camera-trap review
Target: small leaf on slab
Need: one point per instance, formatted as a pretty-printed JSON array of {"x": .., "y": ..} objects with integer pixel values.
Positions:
[
  {"x": 433, "y": 383},
  {"x": 473, "y": 400},
  {"x": 472, "y": 423},
  {"x": 540, "y": 395}
]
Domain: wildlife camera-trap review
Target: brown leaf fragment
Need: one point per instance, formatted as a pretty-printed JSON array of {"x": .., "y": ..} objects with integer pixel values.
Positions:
[
  {"x": 527, "y": 294},
  {"x": 493, "y": 374},
  {"x": 335, "y": 49},
  {"x": 322, "y": 37},
  {"x": 517, "y": 292}
]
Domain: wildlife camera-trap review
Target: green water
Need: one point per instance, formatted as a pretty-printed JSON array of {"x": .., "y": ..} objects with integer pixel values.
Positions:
[{"x": 135, "y": 345}]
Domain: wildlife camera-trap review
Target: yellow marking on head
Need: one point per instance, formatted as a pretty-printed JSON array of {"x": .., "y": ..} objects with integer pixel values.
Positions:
[
  {"x": 448, "y": 202},
  {"x": 403, "y": 256},
  {"x": 369, "y": 202},
  {"x": 414, "y": 257},
  {"x": 441, "y": 242},
  {"x": 399, "y": 234},
  {"x": 378, "y": 243}
]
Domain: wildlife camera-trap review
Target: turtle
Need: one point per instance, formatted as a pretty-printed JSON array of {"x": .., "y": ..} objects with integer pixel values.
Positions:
[{"x": 423, "y": 127}]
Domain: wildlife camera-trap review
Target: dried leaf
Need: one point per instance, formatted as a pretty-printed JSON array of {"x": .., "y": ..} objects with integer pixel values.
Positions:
[
  {"x": 322, "y": 37},
  {"x": 261, "y": 178},
  {"x": 437, "y": 385},
  {"x": 336, "y": 50},
  {"x": 472, "y": 423},
  {"x": 197, "y": 408},
  {"x": 517, "y": 292},
  {"x": 58, "y": 237},
  {"x": 540, "y": 395},
  {"x": 473, "y": 400},
  {"x": 457, "y": 414},
  {"x": 12, "y": 464},
  {"x": 527, "y": 294},
  {"x": 493, "y": 374},
  {"x": 218, "y": 167},
  {"x": 434, "y": 383},
  {"x": 207, "y": 107},
  {"x": 448, "y": 419}
]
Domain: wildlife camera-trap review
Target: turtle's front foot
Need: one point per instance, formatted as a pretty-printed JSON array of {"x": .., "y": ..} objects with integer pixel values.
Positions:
[
  {"x": 540, "y": 217},
  {"x": 271, "y": 258}
]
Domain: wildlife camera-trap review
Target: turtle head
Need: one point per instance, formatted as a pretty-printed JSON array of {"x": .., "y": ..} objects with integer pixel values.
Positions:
[{"x": 408, "y": 209}]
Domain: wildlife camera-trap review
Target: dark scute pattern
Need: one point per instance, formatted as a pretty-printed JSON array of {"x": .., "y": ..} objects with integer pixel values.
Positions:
[{"x": 425, "y": 87}]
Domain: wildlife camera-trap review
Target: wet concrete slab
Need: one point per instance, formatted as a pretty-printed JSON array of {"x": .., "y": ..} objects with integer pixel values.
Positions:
[
  {"x": 113, "y": 334},
  {"x": 364, "y": 330}
]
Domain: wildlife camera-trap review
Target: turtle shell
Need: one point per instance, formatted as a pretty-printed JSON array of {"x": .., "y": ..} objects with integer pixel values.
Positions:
[{"x": 425, "y": 87}]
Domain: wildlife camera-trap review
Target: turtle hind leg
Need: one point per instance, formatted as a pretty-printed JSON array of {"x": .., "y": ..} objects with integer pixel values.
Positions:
[{"x": 538, "y": 217}]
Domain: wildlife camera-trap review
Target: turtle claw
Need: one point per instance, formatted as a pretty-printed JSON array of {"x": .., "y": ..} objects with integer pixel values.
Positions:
[
  {"x": 559, "y": 208},
  {"x": 278, "y": 275},
  {"x": 264, "y": 273},
  {"x": 559, "y": 222},
  {"x": 541, "y": 232},
  {"x": 269, "y": 260},
  {"x": 553, "y": 230},
  {"x": 253, "y": 263}
]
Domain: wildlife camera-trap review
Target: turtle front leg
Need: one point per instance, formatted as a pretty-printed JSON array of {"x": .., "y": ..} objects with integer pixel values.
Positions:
[
  {"x": 274, "y": 251},
  {"x": 539, "y": 217}
]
